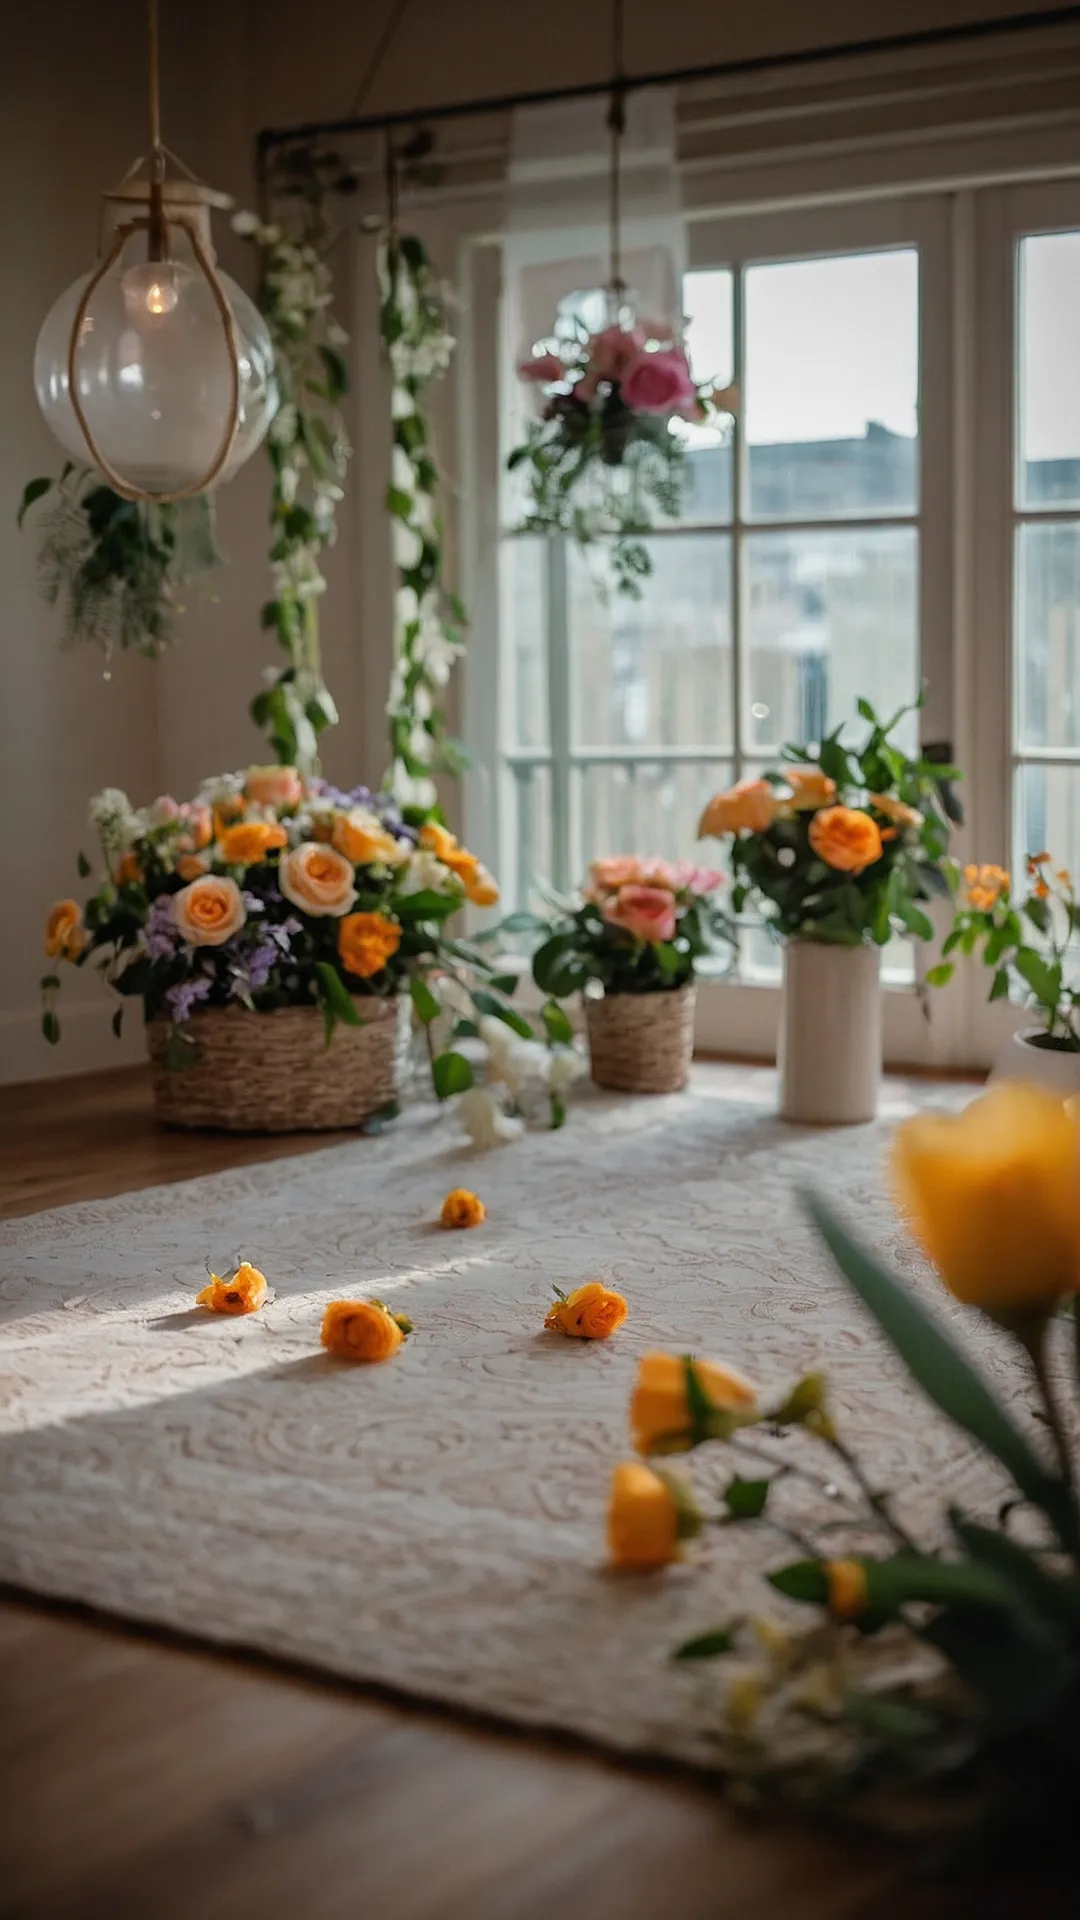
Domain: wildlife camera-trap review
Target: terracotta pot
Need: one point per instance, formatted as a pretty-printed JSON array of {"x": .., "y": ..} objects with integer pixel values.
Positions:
[
  {"x": 1051, "y": 1067},
  {"x": 830, "y": 1034}
]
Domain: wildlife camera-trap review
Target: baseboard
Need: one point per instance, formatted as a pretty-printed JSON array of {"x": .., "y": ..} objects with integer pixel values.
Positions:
[{"x": 86, "y": 1041}]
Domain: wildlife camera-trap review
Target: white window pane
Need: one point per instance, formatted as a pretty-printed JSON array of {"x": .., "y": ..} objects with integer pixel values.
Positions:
[
  {"x": 1049, "y": 384},
  {"x": 530, "y": 861},
  {"x": 708, "y": 304},
  {"x": 831, "y": 616},
  {"x": 523, "y": 625},
  {"x": 832, "y": 382},
  {"x": 1048, "y": 815},
  {"x": 1048, "y": 635},
  {"x": 647, "y": 809},
  {"x": 655, "y": 672}
]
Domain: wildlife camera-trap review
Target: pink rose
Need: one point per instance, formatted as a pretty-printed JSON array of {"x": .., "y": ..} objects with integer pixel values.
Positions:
[
  {"x": 659, "y": 383},
  {"x": 646, "y": 912},
  {"x": 620, "y": 870},
  {"x": 612, "y": 354},
  {"x": 543, "y": 368},
  {"x": 680, "y": 876},
  {"x": 273, "y": 786}
]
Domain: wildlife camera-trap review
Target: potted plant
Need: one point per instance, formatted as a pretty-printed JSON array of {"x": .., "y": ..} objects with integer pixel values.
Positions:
[
  {"x": 630, "y": 945},
  {"x": 1025, "y": 943},
  {"x": 276, "y": 930},
  {"x": 838, "y": 849}
]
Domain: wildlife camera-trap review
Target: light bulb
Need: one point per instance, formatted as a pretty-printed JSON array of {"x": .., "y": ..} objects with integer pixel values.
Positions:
[{"x": 154, "y": 287}]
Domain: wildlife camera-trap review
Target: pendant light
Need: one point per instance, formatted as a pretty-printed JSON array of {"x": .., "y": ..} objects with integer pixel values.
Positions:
[{"x": 155, "y": 367}]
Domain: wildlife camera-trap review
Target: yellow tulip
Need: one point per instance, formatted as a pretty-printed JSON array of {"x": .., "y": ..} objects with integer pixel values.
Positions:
[
  {"x": 661, "y": 1419},
  {"x": 648, "y": 1516},
  {"x": 992, "y": 1195}
]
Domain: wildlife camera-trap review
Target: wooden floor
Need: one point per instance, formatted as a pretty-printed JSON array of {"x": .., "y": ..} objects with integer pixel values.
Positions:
[{"x": 142, "y": 1778}]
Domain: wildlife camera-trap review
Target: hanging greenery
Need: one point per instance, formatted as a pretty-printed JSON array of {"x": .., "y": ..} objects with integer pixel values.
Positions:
[
  {"x": 428, "y": 619},
  {"x": 115, "y": 566}
]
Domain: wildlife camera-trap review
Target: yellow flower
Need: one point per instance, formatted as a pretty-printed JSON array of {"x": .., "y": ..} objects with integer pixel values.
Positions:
[
  {"x": 810, "y": 788},
  {"x": 895, "y": 810},
  {"x": 249, "y": 842},
  {"x": 363, "y": 839},
  {"x": 591, "y": 1312},
  {"x": 65, "y": 935},
  {"x": 209, "y": 911},
  {"x": 366, "y": 942},
  {"x": 992, "y": 1195},
  {"x": 848, "y": 1590},
  {"x": 462, "y": 1209},
  {"x": 642, "y": 1518},
  {"x": 363, "y": 1330},
  {"x": 845, "y": 838},
  {"x": 480, "y": 886},
  {"x": 661, "y": 1420},
  {"x": 244, "y": 1293},
  {"x": 750, "y": 806},
  {"x": 985, "y": 886}
]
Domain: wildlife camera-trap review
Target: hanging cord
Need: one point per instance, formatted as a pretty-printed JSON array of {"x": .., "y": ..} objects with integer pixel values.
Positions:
[
  {"x": 616, "y": 120},
  {"x": 378, "y": 54},
  {"x": 157, "y": 239},
  {"x": 390, "y": 174}
]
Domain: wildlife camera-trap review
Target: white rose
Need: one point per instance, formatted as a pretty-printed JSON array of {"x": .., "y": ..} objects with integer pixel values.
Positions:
[
  {"x": 566, "y": 1068},
  {"x": 407, "y": 546},
  {"x": 484, "y": 1120}
]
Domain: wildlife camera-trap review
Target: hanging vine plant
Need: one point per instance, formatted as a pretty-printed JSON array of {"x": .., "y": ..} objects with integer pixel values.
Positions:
[{"x": 429, "y": 620}]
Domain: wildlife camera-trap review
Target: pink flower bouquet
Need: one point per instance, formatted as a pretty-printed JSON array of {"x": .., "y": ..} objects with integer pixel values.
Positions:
[{"x": 640, "y": 926}]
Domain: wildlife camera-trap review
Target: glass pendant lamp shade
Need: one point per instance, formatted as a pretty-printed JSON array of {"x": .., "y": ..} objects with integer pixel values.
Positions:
[{"x": 172, "y": 363}]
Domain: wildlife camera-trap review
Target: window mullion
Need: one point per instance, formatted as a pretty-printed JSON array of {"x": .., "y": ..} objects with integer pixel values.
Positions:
[
  {"x": 559, "y": 708},
  {"x": 738, "y": 294}
]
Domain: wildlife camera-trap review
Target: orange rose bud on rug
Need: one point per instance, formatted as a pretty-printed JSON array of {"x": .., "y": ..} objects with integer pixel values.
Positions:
[
  {"x": 244, "y": 1293},
  {"x": 848, "y": 1590},
  {"x": 845, "y": 838},
  {"x": 462, "y": 1209},
  {"x": 591, "y": 1312},
  {"x": 363, "y": 1330},
  {"x": 648, "y": 1517},
  {"x": 662, "y": 1419}
]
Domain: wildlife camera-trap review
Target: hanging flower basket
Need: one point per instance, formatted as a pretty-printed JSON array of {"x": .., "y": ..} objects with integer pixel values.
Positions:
[
  {"x": 274, "y": 1072},
  {"x": 642, "y": 1042}
]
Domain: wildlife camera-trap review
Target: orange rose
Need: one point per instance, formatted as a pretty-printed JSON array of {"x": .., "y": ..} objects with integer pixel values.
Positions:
[
  {"x": 439, "y": 841},
  {"x": 810, "y": 788},
  {"x": 750, "y": 806},
  {"x": 481, "y": 887},
  {"x": 591, "y": 1312},
  {"x": 65, "y": 935},
  {"x": 129, "y": 872},
  {"x": 661, "y": 1418},
  {"x": 898, "y": 811},
  {"x": 190, "y": 866},
  {"x": 366, "y": 942},
  {"x": 249, "y": 842},
  {"x": 985, "y": 886},
  {"x": 209, "y": 911},
  {"x": 363, "y": 1330},
  {"x": 363, "y": 839},
  {"x": 225, "y": 814},
  {"x": 642, "y": 1518},
  {"x": 244, "y": 1293},
  {"x": 620, "y": 870},
  {"x": 274, "y": 786},
  {"x": 317, "y": 879},
  {"x": 462, "y": 1209},
  {"x": 845, "y": 838}
]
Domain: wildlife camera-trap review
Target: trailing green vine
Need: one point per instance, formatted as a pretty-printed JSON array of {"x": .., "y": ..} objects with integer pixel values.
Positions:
[{"x": 428, "y": 619}]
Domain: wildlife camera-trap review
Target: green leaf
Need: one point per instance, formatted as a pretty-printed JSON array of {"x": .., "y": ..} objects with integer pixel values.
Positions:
[
  {"x": 698, "y": 1404},
  {"x": 33, "y": 490},
  {"x": 707, "y": 1646},
  {"x": 399, "y": 503},
  {"x": 999, "y": 985},
  {"x": 451, "y": 1073},
  {"x": 803, "y": 1580},
  {"x": 336, "y": 999},
  {"x": 746, "y": 1499},
  {"x": 519, "y": 923},
  {"x": 945, "y": 1374},
  {"x": 1056, "y": 1600},
  {"x": 337, "y": 373},
  {"x": 427, "y": 1007},
  {"x": 83, "y": 865},
  {"x": 940, "y": 975},
  {"x": 1043, "y": 979},
  {"x": 465, "y": 1030},
  {"x": 50, "y": 1026},
  {"x": 489, "y": 1003},
  {"x": 507, "y": 983},
  {"x": 915, "y": 920},
  {"x": 557, "y": 1025},
  {"x": 1038, "y": 912},
  {"x": 866, "y": 712}
]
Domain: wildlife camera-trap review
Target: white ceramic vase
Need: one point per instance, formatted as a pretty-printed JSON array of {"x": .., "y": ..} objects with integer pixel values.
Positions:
[
  {"x": 830, "y": 1034},
  {"x": 1048, "y": 1067}
]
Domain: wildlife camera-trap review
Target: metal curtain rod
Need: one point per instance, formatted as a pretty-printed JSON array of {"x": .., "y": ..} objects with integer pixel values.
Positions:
[{"x": 927, "y": 37}]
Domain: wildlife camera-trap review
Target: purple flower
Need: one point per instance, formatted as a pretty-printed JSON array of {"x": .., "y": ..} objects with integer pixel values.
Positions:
[
  {"x": 254, "y": 902},
  {"x": 162, "y": 937},
  {"x": 260, "y": 963},
  {"x": 181, "y": 999}
]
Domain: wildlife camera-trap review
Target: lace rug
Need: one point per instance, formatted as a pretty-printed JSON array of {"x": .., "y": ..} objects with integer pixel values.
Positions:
[{"x": 436, "y": 1524}]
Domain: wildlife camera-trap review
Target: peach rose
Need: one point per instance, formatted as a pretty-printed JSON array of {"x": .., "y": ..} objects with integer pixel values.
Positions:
[
  {"x": 366, "y": 942},
  {"x": 65, "y": 935},
  {"x": 209, "y": 911},
  {"x": 810, "y": 788},
  {"x": 642, "y": 1518},
  {"x": 279, "y": 787},
  {"x": 661, "y": 1420},
  {"x": 985, "y": 886},
  {"x": 845, "y": 838},
  {"x": 748, "y": 807},
  {"x": 363, "y": 1330},
  {"x": 249, "y": 842},
  {"x": 620, "y": 870},
  {"x": 317, "y": 879},
  {"x": 590, "y": 1312},
  {"x": 190, "y": 866},
  {"x": 244, "y": 1293},
  {"x": 896, "y": 811},
  {"x": 646, "y": 912},
  {"x": 363, "y": 839},
  {"x": 198, "y": 828}
]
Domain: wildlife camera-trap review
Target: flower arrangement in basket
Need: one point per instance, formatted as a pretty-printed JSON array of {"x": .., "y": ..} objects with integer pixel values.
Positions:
[
  {"x": 941, "y": 1670},
  {"x": 634, "y": 938},
  {"x": 1025, "y": 941},
  {"x": 276, "y": 930},
  {"x": 606, "y": 449}
]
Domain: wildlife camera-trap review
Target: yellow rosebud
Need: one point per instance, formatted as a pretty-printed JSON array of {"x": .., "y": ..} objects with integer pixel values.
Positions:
[
  {"x": 463, "y": 1209},
  {"x": 643, "y": 1526},
  {"x": 848, "y": 1590},
  {"x": 244, "y": 1293},
  {"x": 65, "y": 935},
  {"x": 363, "y": 1330},
  {"x": 992, "y": 1195},
  {"x": 591, "y": 1312},
  {"x": 661, "y": 1419}
]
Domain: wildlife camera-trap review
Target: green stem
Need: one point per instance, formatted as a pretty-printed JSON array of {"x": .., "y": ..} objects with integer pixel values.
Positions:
[
  {"x": 1034, "y": 1340},
  {"x": 877, "y": 1502}
]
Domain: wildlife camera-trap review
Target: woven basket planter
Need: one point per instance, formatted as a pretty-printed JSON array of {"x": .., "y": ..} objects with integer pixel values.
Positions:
[
  {"x": 274, "y": 1073},
  {"x": 642, "y": 1042}
]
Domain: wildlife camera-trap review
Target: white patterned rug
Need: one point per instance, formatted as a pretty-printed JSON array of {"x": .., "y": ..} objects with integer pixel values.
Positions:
[{"x": 436, "y": 1524}]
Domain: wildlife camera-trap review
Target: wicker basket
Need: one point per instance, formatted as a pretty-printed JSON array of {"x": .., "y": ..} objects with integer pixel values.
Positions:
[
  {"x": 642, "y": 1042},
  {"x": 274, "y": 1073}
]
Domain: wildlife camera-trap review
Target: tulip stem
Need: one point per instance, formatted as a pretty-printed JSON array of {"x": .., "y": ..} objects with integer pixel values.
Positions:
[
  {"x": 1035, "y": 1342},
  {"x": 876, "y": 1501}
]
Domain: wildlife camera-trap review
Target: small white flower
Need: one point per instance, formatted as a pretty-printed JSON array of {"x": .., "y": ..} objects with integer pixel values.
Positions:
[
  {"x": 245, "y": 223},
  {"x": 425, "y": 872},
  {"x": 407, "y": 546},
  {"x": 521, "y": 1065},
  {"x": 406, "y": 606},
  {"x": 401, "y": 471},
  {"x": 565, "y": 1070},
  {"x": 484, "y": 1120},
  {"x": 283, "y": 426},
  {"x": 401, "y": 404},
  {"x": 411, "y": 790},
  {"x": 421, "y": 745}
]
